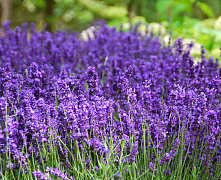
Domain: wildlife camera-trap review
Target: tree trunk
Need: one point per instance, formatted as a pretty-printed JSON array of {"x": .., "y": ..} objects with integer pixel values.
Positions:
[
  {"x": 6, "y": 10},
  {"x": 130, "y": 6},
  {"x": 49, "y": 14}
]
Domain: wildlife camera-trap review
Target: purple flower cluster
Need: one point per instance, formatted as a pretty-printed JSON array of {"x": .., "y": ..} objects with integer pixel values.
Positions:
[
  {"x": 116, "y": 86},
  {"x": 55, "y": 172}
]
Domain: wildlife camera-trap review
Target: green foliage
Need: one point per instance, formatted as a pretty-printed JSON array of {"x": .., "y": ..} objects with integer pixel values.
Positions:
[
  {"x": 187, "y": 17},
  {"x": 77, "y": 14},
  {"x": 181, "y": 166},
  {"x": 163, "y": 5},
  {"x": 34, "y": 3},
  {"x": 205, "y": 9}
]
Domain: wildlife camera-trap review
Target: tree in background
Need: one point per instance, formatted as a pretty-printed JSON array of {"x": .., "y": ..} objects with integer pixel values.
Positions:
[
  {"x": 6, "y": 6},
  {"x": 49, "y": 13},
  {"x": 77, "y": 14}
]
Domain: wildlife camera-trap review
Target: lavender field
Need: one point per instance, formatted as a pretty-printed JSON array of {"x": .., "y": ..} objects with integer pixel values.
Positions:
[{"x": 119, "y": 105}]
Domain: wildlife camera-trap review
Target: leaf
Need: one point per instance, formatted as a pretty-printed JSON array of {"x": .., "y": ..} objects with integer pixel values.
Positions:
[
  {"x": 115, "y": 115},
  {"x": 117, "y": 22},
  {"x": 86, "y": 86},
  {"x": 93, "y": 6},
  {"x": 209, "y": 23},
  {"x": 163, "y": 5},
  {"x": 178, "y": 8},
  {"x": 105, "y": 11},
  {"x": 138, "y": 19},
  {"x": 85, "y": 16},
  {"x": 115, "y": 12},
  {"x": 40, "y": 3},
  {"x": 206, "y": 9},
  {"x": 190, "y": 21},
  {"x": 211, "y": 43},
  {"x": 215, "y": 53},
  {"x": 194, "y": 172}
]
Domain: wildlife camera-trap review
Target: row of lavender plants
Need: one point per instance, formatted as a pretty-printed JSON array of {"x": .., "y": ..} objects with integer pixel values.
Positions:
[{"x": 119, "y": 105}]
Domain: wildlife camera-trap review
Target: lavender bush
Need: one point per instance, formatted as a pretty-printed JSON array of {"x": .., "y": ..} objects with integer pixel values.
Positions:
[{"x": 119, "y": 105}]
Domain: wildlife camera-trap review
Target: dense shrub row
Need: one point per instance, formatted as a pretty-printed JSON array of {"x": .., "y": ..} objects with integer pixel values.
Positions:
[{"x": 119, "y": 93}]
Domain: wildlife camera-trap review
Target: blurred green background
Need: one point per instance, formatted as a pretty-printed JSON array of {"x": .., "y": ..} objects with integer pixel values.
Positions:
[{"x": 194, "y": 20}]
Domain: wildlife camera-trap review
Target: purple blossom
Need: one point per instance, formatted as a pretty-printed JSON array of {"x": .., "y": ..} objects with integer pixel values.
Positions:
[{"x": 117, "y": 85}]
